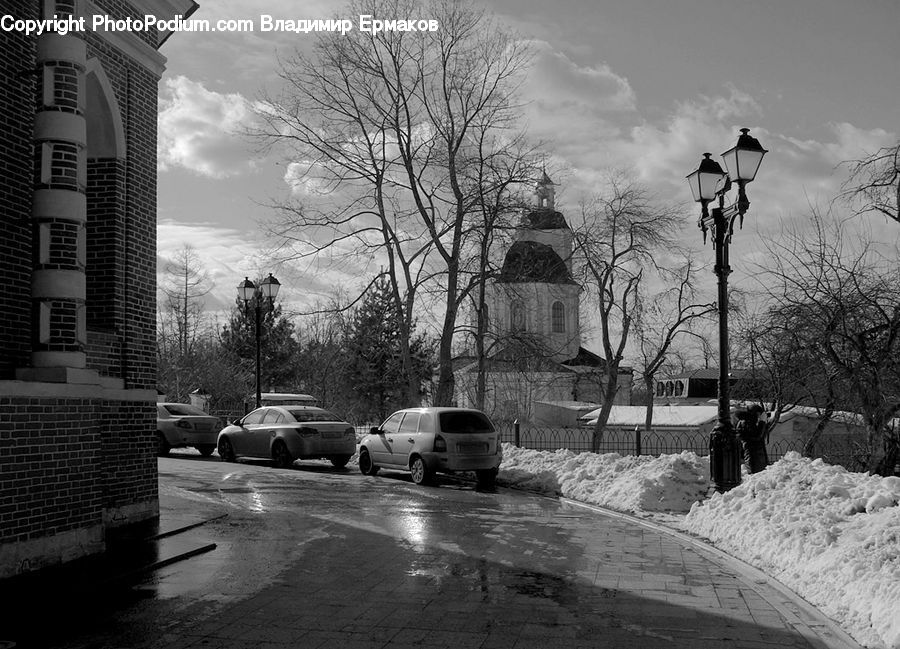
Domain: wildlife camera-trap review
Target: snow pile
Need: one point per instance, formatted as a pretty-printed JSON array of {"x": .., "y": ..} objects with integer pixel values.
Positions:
[
  {"x": 668, "y": 483},
  {"x": 831, "y": 535}
]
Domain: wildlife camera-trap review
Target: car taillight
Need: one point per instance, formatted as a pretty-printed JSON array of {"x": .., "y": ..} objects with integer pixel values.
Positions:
[
  {"x": 440, "y": 445},
  {"x": 307, "y": 432},
  {"x": 181, "y": 423},
  {"x": 350, "y": 432}
]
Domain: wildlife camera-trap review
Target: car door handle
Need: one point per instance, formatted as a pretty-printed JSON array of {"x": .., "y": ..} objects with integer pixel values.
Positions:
[
  {"x": 410, "y": 440},
  {"x": 390, "y": 439}
]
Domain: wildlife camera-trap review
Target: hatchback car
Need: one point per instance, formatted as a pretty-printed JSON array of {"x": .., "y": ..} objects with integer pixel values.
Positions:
[
  {"x": 287, "y": 433},
  {"x": 425, "y": 441},
  {"x": 181, "y": 424}
]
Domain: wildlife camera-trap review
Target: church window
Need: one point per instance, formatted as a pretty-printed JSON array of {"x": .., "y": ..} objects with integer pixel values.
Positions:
[
  {"x": 517, "y": 316},
  {"x": 558, "y": 318}
]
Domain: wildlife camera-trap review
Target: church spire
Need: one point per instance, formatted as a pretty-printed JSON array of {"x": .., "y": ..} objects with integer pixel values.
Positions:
[{"x": 544, "y": 194}]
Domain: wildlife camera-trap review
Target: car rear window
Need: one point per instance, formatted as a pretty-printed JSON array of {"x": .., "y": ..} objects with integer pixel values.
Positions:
[
  {"x": 312, "y": 414},
  {"x": 465, "y": 422},
  {"x": 181, "y": 409}
]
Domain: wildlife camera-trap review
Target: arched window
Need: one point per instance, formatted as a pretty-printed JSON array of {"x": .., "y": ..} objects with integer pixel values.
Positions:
[
  {"x": 660, "y": 389},
  {"x": 679, "y": 388},
  {"x": 517, "y": 316},
  {"x": 558, "y": 318},
  {"x": 670, "y": 388}
]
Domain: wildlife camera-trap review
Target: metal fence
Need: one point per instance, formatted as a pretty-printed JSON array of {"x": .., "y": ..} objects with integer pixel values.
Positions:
[{"x": 844, "y": 450}]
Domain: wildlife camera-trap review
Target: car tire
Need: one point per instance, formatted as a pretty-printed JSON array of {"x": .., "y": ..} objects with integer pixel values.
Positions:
[
  {"x": 281, "y": 456},
  {"x": 486, "y": 477},
  {"x": 162, "y": 446},
  {"x": 366, "y": 465},
  {"x": 226, "y": 450},
  {"x": 206, "y": 449},
  {"x": 419, "y": 471},
  {"x": 339, "y": 461}
]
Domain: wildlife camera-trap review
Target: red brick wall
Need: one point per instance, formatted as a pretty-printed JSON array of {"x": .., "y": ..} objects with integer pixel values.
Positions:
[
  {"x": 71, "y": 464},
  {"x": 121, "y": 271},
  {"x": 17, "y": 100},
  {"x": 50, "y": 468}
]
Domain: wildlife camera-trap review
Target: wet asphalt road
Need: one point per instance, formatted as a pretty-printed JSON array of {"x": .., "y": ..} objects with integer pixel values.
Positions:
[{"x": 318, "y": 557}]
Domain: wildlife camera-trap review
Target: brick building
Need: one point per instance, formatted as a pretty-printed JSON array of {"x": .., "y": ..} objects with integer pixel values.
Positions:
[{"x": 78, "y": 268}]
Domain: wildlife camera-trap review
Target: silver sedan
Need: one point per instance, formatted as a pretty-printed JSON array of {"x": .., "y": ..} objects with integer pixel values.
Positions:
[{"x": 284, "y": 434}]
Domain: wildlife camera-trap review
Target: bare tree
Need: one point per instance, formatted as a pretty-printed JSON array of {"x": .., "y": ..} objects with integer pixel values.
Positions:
[
  {"x": 660, "y": 319},
  {"x": 385, "y": 127},
  {"x": 874, "y": 183},
  {"x": 621, "y": 234},
  {"x": 781, "y": 352},
  {"x": 848, "y": 300},
  {"x": 186, "y": 282},
  {"x": 182, "y": 330}
]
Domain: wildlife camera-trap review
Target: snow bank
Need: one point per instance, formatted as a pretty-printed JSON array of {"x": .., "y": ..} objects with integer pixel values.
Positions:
[
  {"x": 669, "y": 483},
  {"x": 831, "y": 535}
]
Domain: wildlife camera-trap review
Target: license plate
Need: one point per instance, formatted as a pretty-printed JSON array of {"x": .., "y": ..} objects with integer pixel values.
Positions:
[{"x": 474, "y": 448}]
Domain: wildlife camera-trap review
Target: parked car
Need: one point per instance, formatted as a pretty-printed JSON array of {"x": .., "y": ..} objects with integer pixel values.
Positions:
[
  {"x": 181, "y": 424},
  {"x": 287, "y": 433},
  {"x": 425, "y": 441}
]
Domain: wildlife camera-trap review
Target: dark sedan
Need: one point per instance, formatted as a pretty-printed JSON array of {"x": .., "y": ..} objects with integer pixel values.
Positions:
[{"x": 284, "y": 434}]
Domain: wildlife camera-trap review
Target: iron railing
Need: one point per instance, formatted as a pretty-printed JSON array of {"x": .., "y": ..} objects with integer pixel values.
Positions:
[{"x": 843, "y": 451}]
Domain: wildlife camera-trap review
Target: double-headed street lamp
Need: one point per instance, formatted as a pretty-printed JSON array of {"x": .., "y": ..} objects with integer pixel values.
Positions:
[
  {"x": 254, "y": 296},
  {"x": 708, "y": 183}
]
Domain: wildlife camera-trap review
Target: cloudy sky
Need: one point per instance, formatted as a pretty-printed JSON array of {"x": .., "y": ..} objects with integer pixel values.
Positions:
[{"x": 644, "y": 84}]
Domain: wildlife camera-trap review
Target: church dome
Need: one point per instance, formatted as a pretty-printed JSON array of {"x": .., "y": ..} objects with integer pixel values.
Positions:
[
  {"x": 544, "y": 219},
  {"x": 530, "y": 261}
]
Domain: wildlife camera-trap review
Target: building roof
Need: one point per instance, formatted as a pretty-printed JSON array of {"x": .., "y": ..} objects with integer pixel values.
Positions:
[
  {"x": 631, "y": 416},
  {"x": 544, "y": 218},
  {"x": 705, "y": 373},
  {"x": 531, "y": 261}
]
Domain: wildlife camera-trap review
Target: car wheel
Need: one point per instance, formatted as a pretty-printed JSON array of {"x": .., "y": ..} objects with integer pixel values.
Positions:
[
  {"x": 206, "y": 449},
  {"x": 226, "y": 450},
  {"x": 281, "y": 455},
  {"x": 419, "y": 471},
  {"x": 162, "y": 446},
  {"x": 339, "y": 461},
  {"x": 366, "y": 466},
  {"x": 486, "y": 477}
]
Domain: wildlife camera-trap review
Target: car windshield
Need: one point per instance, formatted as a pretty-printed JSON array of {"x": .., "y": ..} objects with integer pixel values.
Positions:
[
  {"x": 181, "y": 409},
  {"x": 465, "y": 422},
  {"x": 312, "y": 414}
]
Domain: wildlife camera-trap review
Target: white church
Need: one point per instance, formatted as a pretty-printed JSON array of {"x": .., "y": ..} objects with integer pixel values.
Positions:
[{"x": 535, "y": 361}]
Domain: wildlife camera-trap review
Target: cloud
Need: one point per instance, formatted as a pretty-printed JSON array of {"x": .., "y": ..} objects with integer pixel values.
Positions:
[
  {"x": 199, "y": 130},
  {"x": 559, "y": 93},
  {"x": 228, "y": 255}
]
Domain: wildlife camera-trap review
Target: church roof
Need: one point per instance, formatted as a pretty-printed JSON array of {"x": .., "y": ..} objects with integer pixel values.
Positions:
[
  {"x": 544, "y": 219},
  {"x": 531, "y": 261}
]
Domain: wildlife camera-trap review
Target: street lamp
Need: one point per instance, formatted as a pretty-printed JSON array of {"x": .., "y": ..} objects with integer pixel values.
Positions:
[
  {"x": 708, "y": 183},
  {"x": 254, "y": 296}
]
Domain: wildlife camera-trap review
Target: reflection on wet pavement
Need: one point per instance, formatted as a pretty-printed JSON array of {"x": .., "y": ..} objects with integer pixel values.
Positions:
[{"x": 318, "y": 558}]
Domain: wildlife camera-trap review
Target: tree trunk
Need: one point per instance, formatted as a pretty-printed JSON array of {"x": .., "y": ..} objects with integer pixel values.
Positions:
[
  {"x": 609, "y": 394},
  {"x": 648, "y": 401}
]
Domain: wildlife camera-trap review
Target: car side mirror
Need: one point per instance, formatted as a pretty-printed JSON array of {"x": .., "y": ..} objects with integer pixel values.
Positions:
[{"x": 374, "y": 430}]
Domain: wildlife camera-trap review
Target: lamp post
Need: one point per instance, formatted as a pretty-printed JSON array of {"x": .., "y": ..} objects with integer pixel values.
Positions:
[
  {"x": 254, "y": 296},
  {"x": 710, "y": 182}
]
